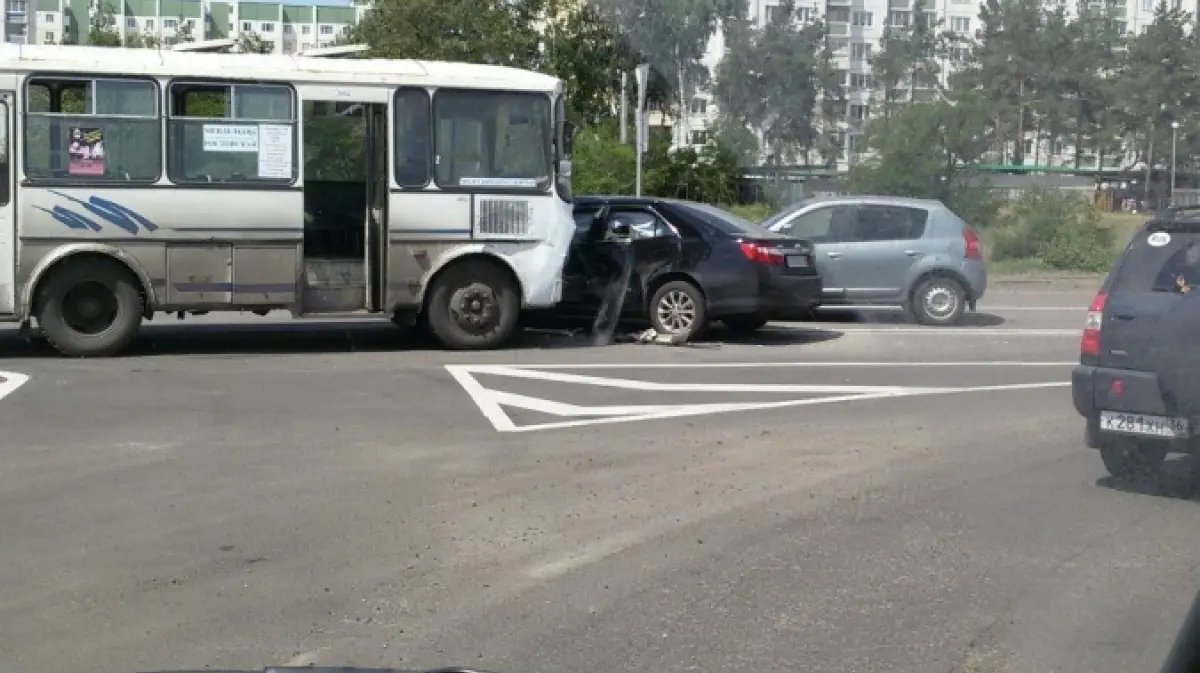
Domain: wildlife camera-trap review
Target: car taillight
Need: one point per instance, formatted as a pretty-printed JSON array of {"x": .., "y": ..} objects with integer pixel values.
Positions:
[
  {"x": 1089, "y": 343},
  {"x": 974, "y": 248},
  {"x": 761, "y": 254}
]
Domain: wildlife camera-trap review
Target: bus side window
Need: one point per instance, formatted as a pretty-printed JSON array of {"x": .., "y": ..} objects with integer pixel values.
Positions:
[
  {"x": 231, "y": 133},
  {"x": 412, "y": 131},
  {"x": 92, "y": 129},
  {"x": 5, "y": 165}
]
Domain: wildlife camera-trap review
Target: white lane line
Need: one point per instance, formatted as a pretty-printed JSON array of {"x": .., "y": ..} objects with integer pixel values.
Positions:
[
  {"x": 1080, "y": 309},
  {"x": 773, "y": 365},
  {"x": 697, "y": 410},
  {"x": 482, "y": 398},
  {"x": 492, "y": 403},
  {"x": 932, "y": 331},
  {"x": 10, "y": 381},
  {"x": 982, "y": 308},
  {"x": 654, "y": 386}
]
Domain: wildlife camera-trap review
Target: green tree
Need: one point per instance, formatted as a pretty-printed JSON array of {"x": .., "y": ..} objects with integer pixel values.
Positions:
[
  {"x": 183, "y": 34},
  {"x": 496, "y": 32},
  {"x": 671, "y": 36},
  {"x": 1157, "y": 81},
  {"x": 772, "y": 80},
  {"x": 909, "y": 59},
  {"x": 584, "y": 50},
  {"x": 102, "y": 30},
  {"x": 925, "y": 150},
  {"x": 251, "y": 43},
  {"x": 1006, "y": 60}
]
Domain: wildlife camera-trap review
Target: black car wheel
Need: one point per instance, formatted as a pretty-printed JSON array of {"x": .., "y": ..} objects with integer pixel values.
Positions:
[
  {"x": 1130, "y": 458},
  {"x": 678, "y": 308},
  {"x": 939, "y": 300}
]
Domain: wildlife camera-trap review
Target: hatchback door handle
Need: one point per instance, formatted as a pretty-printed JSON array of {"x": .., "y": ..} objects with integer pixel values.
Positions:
[
  {"x": 913, "y": 253},
  {"x": 833, "y": 255}
]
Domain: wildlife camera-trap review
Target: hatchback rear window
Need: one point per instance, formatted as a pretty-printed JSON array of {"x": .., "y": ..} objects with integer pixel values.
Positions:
[{"x": 1170, "y": 265}]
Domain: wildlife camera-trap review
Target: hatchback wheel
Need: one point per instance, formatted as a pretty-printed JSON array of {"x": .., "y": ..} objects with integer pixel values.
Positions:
[
  {"x": 678, "y": 308},
  {"x": 939, "y": 300}
]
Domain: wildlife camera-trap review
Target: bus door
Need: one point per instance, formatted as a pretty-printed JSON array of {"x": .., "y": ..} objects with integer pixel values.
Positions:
[
  {"x": 377, "y": 203},
  {"x": 345, "y": 204},
  {"x": 8, "y": 218}
]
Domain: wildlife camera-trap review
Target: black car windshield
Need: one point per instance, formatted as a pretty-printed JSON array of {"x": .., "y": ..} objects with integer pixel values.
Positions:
[{"x": 727, "y": 222}]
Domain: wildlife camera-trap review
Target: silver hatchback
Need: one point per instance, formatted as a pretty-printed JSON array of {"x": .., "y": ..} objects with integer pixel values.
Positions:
[{"x": 891, "y": 251}]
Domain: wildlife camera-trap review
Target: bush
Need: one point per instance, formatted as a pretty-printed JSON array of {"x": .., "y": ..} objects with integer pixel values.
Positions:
[
  {"x": 602, "y": 165},
  {"x": 1058, "y": 229}
]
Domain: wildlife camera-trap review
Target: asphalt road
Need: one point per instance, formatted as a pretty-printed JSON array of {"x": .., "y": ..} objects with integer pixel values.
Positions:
[{"x": 842, "y": 496}]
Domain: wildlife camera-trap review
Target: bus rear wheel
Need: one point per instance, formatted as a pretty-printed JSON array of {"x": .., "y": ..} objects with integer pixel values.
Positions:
[
  {"x": 473, "y": 306},
  {"x": 89, "y": 308}
]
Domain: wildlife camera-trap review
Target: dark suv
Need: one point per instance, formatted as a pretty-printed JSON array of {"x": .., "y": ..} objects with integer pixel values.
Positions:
[{"x": 1138, "y": 379}]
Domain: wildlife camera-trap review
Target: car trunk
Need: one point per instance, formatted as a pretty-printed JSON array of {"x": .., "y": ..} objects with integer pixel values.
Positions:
[{"x": 1150, "y": 326}]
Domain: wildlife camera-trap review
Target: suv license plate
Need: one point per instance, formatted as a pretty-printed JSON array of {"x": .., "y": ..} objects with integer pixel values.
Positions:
[
  {"x": 1142, "y": 424},
  {"x": 797, "y": 261}
]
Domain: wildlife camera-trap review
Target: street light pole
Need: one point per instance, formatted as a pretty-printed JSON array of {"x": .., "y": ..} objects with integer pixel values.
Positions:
[
  {"x": 1174, "y": 138},
  {"x": 642, "y": 72}
]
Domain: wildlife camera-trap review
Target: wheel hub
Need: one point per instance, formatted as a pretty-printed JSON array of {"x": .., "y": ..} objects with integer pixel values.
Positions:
[
  {"x": 474, "y": 307},
  {"x": 676, "y": 311},
  {"x": 940, "y": 301},
  {"x": 90, "y": 308}
]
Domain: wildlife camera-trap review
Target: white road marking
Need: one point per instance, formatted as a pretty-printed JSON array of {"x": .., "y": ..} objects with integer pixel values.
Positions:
[
  {"x": 982, "y": 309},
  {"x": 1080, "y": 309},
  {"x": 10, "y": 381},
  {"x": 774, "y": 365},
  {"x": 491, "y": 402},
  {"x": 933, "y": 331}
]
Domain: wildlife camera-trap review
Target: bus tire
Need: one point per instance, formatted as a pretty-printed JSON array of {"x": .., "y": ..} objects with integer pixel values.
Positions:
[
  {"x": 473, "y": 306},
  {"x": 89, "y": 308}
]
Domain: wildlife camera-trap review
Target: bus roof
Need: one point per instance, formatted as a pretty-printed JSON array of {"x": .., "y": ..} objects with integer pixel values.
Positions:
[{"x": 167, "y": 63}]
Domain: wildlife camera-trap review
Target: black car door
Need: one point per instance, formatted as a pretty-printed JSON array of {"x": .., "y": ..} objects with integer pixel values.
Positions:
[
  {"x": 638, "y": 246},
  {"x": 577, "y": 268}
]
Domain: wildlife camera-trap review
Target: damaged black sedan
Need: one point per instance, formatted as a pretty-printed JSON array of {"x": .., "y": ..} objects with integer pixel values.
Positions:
[{"x": 680, "y": 265}]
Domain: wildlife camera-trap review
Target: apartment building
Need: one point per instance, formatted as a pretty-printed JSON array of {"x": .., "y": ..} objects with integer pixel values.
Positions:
[
  {"x": 855, "y": 30},
  {"x": 285, "y": 27}
]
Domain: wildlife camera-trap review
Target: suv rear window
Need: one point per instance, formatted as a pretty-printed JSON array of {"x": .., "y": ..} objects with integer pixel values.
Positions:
[{"x": 1166, "y": 267}]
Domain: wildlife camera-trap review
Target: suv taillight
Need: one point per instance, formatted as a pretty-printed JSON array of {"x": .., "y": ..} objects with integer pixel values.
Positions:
[
  {"x": 974, "y": 248},
  {"x": 762, "y": 254},
  {"x": 1089, "y": 343}
]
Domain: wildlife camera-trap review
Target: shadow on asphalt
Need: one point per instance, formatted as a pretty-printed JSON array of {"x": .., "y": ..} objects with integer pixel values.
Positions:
[
  {"x": 299, "y": 337},
  {"x": 898, "y": 317},
  {"x": 1178, "y": 478}
]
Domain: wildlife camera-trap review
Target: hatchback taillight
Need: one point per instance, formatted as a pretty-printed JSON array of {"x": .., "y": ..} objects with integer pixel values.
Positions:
[
  {"x": 1089, "y": 343},
  {"x": 762, "y": 254},
  {"x": 974, "y": 247}
]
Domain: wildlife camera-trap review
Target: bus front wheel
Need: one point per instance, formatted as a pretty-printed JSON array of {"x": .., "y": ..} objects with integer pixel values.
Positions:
[
  {"x": 89, "y": 308},
  {"x": 473, "y": 306}
]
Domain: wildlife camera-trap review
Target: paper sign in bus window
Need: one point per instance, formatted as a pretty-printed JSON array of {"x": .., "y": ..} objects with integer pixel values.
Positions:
[
  {"x": 230, "y": 138},
  {"x": 86, "y": 152},
  {"x": 275, "y": 151}
]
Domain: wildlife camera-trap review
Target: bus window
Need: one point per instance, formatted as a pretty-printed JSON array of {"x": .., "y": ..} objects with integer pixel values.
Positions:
[
  {"x": 5, "y": 168},
  {"x": 92, "y": 130},
  {"x": 231, "y": 133},
  {"x": 411, "y": 112},
  {"x": 492, "y": 140}
]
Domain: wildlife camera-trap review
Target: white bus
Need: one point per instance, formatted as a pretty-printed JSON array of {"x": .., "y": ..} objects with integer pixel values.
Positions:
[{"x": 141, "y": 181}]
